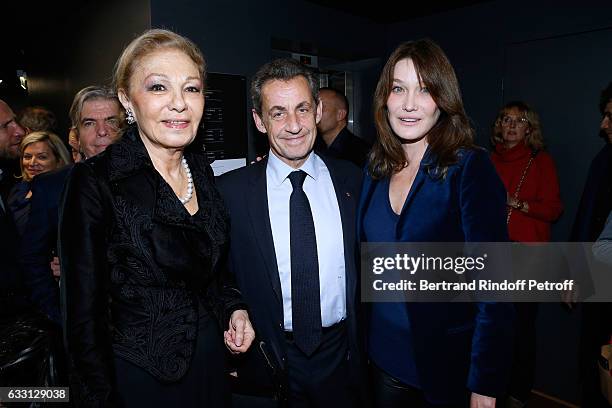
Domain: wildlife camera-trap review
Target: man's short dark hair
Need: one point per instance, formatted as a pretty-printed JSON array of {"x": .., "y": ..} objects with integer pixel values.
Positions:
[
  {"x": 344, "y": 104},
  {"x": 37, "y": 119},
  {"x": 606, "y": 97},
  {"x": 283, "y": 69}
]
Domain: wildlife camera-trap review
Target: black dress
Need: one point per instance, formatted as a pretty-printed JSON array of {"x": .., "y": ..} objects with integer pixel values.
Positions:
[{"x": 145, "y": 294}]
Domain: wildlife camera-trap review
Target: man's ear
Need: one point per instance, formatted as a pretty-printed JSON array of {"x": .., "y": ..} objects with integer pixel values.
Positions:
[
  {"x": 341, "y": 115},
  {"x": 258, "y": 122},
  {"x": 319, "y": 113}
]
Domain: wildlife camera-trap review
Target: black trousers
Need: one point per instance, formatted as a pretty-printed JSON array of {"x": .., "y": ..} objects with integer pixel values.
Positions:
[
  {"x": 390, "y": 392},
  {"x": 321, "y": 380}
]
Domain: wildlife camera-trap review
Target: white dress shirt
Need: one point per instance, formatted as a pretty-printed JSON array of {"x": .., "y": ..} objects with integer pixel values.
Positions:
[{"x": 321, "y": 194}]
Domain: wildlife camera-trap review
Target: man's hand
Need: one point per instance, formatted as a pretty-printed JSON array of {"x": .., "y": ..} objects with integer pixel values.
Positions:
[
  {"x": 240, "y": 333},
  {"x": 258, "y": 159},
  {"x": 481, "y": 401},
  {"x": 55, "y": 267},
  {"x": 570, "y": 297}
]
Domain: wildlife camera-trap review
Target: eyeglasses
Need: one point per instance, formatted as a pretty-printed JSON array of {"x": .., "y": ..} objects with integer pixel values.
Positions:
[{"x": 507, "y": 121}]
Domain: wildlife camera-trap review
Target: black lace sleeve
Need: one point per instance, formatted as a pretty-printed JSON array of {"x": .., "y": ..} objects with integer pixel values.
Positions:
[
  {"x": 85, "y": 285},
  {"x": 225, "y": 296}
]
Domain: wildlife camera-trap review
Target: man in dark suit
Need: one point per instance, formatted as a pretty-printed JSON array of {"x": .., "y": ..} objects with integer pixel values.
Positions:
[
  {"x": 11, "y": 134},
  {"x": 294, "y": 250},
  {"x": 337, "y": 140},
  {"x": 96, "y": 116},
  {"x": 593, "y": 210},
  {"x": 12, "y": 293}
]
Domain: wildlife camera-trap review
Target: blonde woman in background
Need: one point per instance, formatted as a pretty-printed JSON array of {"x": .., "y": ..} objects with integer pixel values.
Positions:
[{"x": 41, "y": 152}]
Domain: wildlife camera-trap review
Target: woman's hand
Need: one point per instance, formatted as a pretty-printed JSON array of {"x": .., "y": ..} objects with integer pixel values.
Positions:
[
  {"x": 481, "y": 401},
  {"x": 518, "y": 204},
  {"x": 240, "y": 333}
]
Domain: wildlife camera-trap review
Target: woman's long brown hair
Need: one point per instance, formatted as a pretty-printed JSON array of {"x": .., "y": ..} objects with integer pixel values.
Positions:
[{"x": 452, "y": 131}]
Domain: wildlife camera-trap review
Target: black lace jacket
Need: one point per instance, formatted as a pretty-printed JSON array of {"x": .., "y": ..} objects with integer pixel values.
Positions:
[{"x": 136, "y": 265}]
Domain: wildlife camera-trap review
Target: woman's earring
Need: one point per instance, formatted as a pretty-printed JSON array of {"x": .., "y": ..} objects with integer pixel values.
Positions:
[{"x": 129, "y": 116}]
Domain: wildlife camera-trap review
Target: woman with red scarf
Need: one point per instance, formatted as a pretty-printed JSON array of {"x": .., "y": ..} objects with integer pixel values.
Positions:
[{"x": 530, "y": 177}]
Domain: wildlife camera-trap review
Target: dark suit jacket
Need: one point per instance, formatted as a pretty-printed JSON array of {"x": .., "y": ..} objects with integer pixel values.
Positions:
[
  {"x": 9, "y": 177},
  {"x": 253, "y": 260},
  {"x": 347, "y": 146},
  {"x": 136, "y": 267},
  {"x": 596, "y": 201},
  {"x": 11, "y": 279},
  {"x": 38, "y": 245},
  {"x": 458, "y": 345}
]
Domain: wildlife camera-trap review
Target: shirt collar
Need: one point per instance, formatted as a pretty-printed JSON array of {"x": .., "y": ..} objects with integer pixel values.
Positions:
[{"x": 278, "y": 170}]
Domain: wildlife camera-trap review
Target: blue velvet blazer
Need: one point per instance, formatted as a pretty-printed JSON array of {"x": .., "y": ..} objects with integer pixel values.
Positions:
[{"x": 458, "y": 346}]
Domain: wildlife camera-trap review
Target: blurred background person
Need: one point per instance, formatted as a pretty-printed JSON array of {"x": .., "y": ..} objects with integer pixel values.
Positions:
[
  {"x": 95, "y": 114},
  {"x": 143, "y": 235},
  {"x": 596, "y": 201},
  {"x": 37, "y": 119},
  {"x": 41, "y": 152},
  {"x": 595, "y": 206},
  {"x": 335, "y": 140},
  {"x": 426, "y": 181},
  {"x": 11, "y": 135},
  {"x": 12, "y": 291},
  {"x": 528, "y": 173},
  {"x": 533, "y": 204},
  {"x": 25, "y": 341},
  {"x": 603, "y": 247},
  {"x": 73, "y": 141},
  {"x": 38, "y": 253}
]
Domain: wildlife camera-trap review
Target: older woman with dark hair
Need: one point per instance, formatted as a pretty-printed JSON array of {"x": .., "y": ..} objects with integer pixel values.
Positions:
[
  {"x": 143, "y": 236},
  {"x": 427, "y": 182}
]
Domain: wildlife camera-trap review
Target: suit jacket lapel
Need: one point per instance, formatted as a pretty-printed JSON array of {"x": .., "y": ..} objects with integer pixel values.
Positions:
[
  {"x": 257, "y": 204},
  {"x": 414, "y": 189},
  {"x": 346, "y": 204}
]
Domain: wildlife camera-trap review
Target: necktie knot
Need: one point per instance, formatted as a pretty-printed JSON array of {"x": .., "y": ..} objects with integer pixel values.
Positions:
[{"x": 297, "y": 179}]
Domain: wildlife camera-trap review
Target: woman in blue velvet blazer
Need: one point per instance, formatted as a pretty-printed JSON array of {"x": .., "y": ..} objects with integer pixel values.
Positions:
[{"x": 427, "y": 182}]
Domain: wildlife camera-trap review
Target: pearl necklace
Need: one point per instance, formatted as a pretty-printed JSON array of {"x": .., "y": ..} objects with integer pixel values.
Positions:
[{"x": 189, "y": 194}]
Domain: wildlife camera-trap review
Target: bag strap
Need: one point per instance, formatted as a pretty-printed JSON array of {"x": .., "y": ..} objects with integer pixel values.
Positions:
[{"x": 534, "y": 153}]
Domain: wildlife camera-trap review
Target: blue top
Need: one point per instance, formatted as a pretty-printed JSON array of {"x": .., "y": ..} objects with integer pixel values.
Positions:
[
  {"x": 456, "y": 345},
  {"x": 389, "y": 338}
]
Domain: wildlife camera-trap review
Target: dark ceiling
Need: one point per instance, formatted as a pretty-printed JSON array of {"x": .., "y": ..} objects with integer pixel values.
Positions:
[{"x": 393, "y": 11}]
